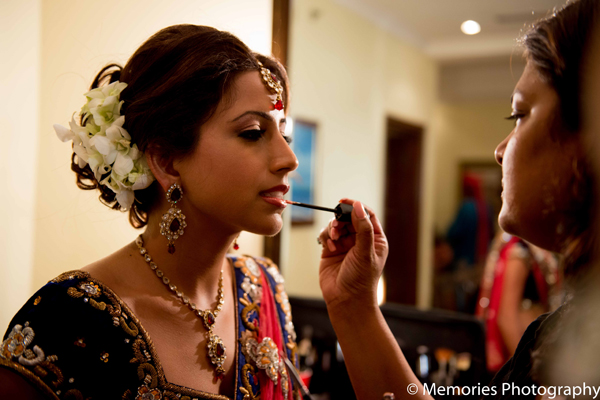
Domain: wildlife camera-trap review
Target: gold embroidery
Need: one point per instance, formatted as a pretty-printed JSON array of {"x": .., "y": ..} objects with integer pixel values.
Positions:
[
  {"x": 73, "y": 394},
  {"x": 39, "y": 371},
  {"x": 104, "y": 357},
  {"x": 249, "y": 267},
  {"x": 294, "y": 350},
  {"x": 264, "y": 355},
  {"x": 98, "y": 305},
  {"x": 37, "y": 300},
  {"x": 147, "y": 393},
  {"x": 74, "y": 293},
  {"x": 285, "y": 380},
  {"x": 246, "y": 389},
  {"x": 56, "y": 371},
  {"x": 131, "y": 329},
  {"x": 17, "y": 341},
  {"x": 140, "y": 351},
  {"x": 249, "y": 307},
  {"x": 147, "y": 372},
  {"x": 167, "y": 395},
  {"x": 282, "y": 299}
]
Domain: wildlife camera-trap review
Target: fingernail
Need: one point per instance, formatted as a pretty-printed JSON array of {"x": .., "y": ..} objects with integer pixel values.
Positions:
[
  {"x": 335, "y": 234},
  {"x": 335, "y": 223},
  {"x": 331, "y": 245},
  {"x": 359, "y": 210}
]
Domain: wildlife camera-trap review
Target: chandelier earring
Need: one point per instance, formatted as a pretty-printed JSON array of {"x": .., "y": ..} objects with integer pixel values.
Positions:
[{"x": 173, "y": 221}]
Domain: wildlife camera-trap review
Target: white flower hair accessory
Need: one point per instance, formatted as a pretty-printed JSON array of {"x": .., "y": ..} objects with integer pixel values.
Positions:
[{"x": 105, "y": 146}]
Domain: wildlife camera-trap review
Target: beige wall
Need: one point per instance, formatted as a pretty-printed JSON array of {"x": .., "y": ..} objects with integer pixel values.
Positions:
[
  {"x": 464, "y": 132},
  {"x": 19, "y": 115},
  {"x": 62, "y": 44},
  {"x": 347, "y": 76}
]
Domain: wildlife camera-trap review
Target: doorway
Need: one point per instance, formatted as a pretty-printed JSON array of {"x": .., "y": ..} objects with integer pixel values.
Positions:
[{"x": 402, "y": 209}]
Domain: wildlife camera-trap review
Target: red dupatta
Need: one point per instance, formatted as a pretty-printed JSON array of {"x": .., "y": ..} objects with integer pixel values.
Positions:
[{"x": 270, "y": 327}]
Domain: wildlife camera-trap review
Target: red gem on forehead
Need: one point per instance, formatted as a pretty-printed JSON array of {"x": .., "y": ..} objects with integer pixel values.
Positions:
[
  {"x": 274, "y": 77},
  {"x": 278, "y": 105}
]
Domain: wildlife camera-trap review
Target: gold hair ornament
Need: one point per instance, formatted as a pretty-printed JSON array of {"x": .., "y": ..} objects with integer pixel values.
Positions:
[{"x": 273, "y": 84}]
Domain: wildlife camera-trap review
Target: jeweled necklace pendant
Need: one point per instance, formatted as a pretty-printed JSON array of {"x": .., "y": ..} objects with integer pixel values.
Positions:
[
  {"x": 216, "y": 353},
  {"x": 215, "y": 347}
]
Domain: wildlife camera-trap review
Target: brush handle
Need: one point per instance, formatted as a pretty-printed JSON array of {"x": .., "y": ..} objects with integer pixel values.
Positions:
[{"x": 343, "y": 212}]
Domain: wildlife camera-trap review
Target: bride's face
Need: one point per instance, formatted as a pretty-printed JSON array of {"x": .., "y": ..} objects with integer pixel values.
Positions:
[
  {"x": 238, "y": 172},
  {"x": 537, "y": 161}
]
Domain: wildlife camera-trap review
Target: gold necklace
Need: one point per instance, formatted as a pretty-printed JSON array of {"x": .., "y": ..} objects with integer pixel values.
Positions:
[{"x": 215, "y": 346}]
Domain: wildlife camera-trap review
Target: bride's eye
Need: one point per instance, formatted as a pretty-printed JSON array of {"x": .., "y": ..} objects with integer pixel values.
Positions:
[
  {"x": 515, "y": 117},
  {"x": 253, "y": 135}
]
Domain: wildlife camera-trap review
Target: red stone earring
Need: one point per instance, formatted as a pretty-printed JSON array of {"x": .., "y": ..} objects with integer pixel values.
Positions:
[
  {"x": 173, "y": 221},
  {"x": 236, "y": 246}
]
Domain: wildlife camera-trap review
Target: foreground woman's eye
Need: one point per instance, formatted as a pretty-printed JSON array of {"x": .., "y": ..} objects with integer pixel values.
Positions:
[
  {"x": 515, "y": 117},
  {"x": 253, "y": 135}
]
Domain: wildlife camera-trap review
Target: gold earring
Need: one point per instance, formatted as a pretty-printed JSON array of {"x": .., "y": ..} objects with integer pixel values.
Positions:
[
  {"x": 173, "y": 221},
  {"x": 236, "y": 246}
]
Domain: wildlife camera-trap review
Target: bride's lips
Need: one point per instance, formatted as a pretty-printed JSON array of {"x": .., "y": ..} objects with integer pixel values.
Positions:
[{"x": 275, "y": 195}]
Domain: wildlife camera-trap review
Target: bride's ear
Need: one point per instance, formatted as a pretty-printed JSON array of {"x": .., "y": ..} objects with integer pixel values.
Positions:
[{"x": 162, "y": 168}]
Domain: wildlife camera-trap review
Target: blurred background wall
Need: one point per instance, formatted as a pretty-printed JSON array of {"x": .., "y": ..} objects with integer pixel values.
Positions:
[{"x": 348, "y": 74}]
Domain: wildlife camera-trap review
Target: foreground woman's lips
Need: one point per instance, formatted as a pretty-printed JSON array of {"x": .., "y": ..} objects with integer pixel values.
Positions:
[{"x": 275, "y": 195}]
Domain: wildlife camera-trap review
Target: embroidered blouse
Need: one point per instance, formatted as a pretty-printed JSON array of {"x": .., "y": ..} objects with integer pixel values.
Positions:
[{"x": 76, "y": 339}]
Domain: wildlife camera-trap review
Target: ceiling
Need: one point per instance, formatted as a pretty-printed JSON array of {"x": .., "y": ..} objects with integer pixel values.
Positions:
[{"x": 434, "y": 25}]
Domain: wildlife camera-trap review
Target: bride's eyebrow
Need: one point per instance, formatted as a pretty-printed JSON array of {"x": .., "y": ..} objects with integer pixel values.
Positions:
[{"x": 260, "y": 114}]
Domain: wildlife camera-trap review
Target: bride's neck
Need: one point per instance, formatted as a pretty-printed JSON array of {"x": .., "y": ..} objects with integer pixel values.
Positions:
[{"x": 200, "y": 253}]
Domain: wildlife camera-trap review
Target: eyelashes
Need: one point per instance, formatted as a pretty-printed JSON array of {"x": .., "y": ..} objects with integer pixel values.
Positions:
[
  {"x": 254, "y": 135},
  {"x": 515, "y": 117}
]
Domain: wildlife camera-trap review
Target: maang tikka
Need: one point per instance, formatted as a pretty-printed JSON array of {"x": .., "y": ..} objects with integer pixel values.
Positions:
[
  {"x": 273, "y": 84},
  {"x": 173, "y": 221}
]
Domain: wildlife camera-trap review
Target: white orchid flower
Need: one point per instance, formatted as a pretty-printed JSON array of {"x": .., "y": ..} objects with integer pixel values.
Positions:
[
  {"x": 104, "y": 145},
  {"x": 123, "y": 164},
  {"x": 63, "y": 133},
  {"x": 125, "y": 198}
]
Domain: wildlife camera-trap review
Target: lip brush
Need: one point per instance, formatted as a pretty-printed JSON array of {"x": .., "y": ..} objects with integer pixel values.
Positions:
[{"x": 343, "y": 212}]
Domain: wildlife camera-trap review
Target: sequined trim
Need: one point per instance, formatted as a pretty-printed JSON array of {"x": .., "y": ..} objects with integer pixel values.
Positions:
[
  {"x": 264, "y": 355},
  {"x": 150, "y": 370}
]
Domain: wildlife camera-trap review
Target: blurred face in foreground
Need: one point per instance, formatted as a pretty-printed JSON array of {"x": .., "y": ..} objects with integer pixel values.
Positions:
[{"x": 538, "y": 159}]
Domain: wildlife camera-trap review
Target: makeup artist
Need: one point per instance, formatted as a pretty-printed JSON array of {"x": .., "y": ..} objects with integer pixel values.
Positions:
[
  {"x": 189, "y": 139},
  {"x": 547, "y": 200}
]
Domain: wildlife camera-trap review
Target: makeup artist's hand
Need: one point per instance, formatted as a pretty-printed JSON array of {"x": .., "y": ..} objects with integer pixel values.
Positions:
[{"x": 353, "y": 258}]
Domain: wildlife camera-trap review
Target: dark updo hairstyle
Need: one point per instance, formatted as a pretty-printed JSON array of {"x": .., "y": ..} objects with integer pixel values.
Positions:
[
  {"x": 175, "y": 81},
  {"x": 556, "y": 46}
]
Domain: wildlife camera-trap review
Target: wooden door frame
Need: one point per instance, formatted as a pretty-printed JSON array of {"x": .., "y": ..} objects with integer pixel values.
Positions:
[
  {"x": 279, "y": 48},
  {"x": 405, "y": 294}
]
